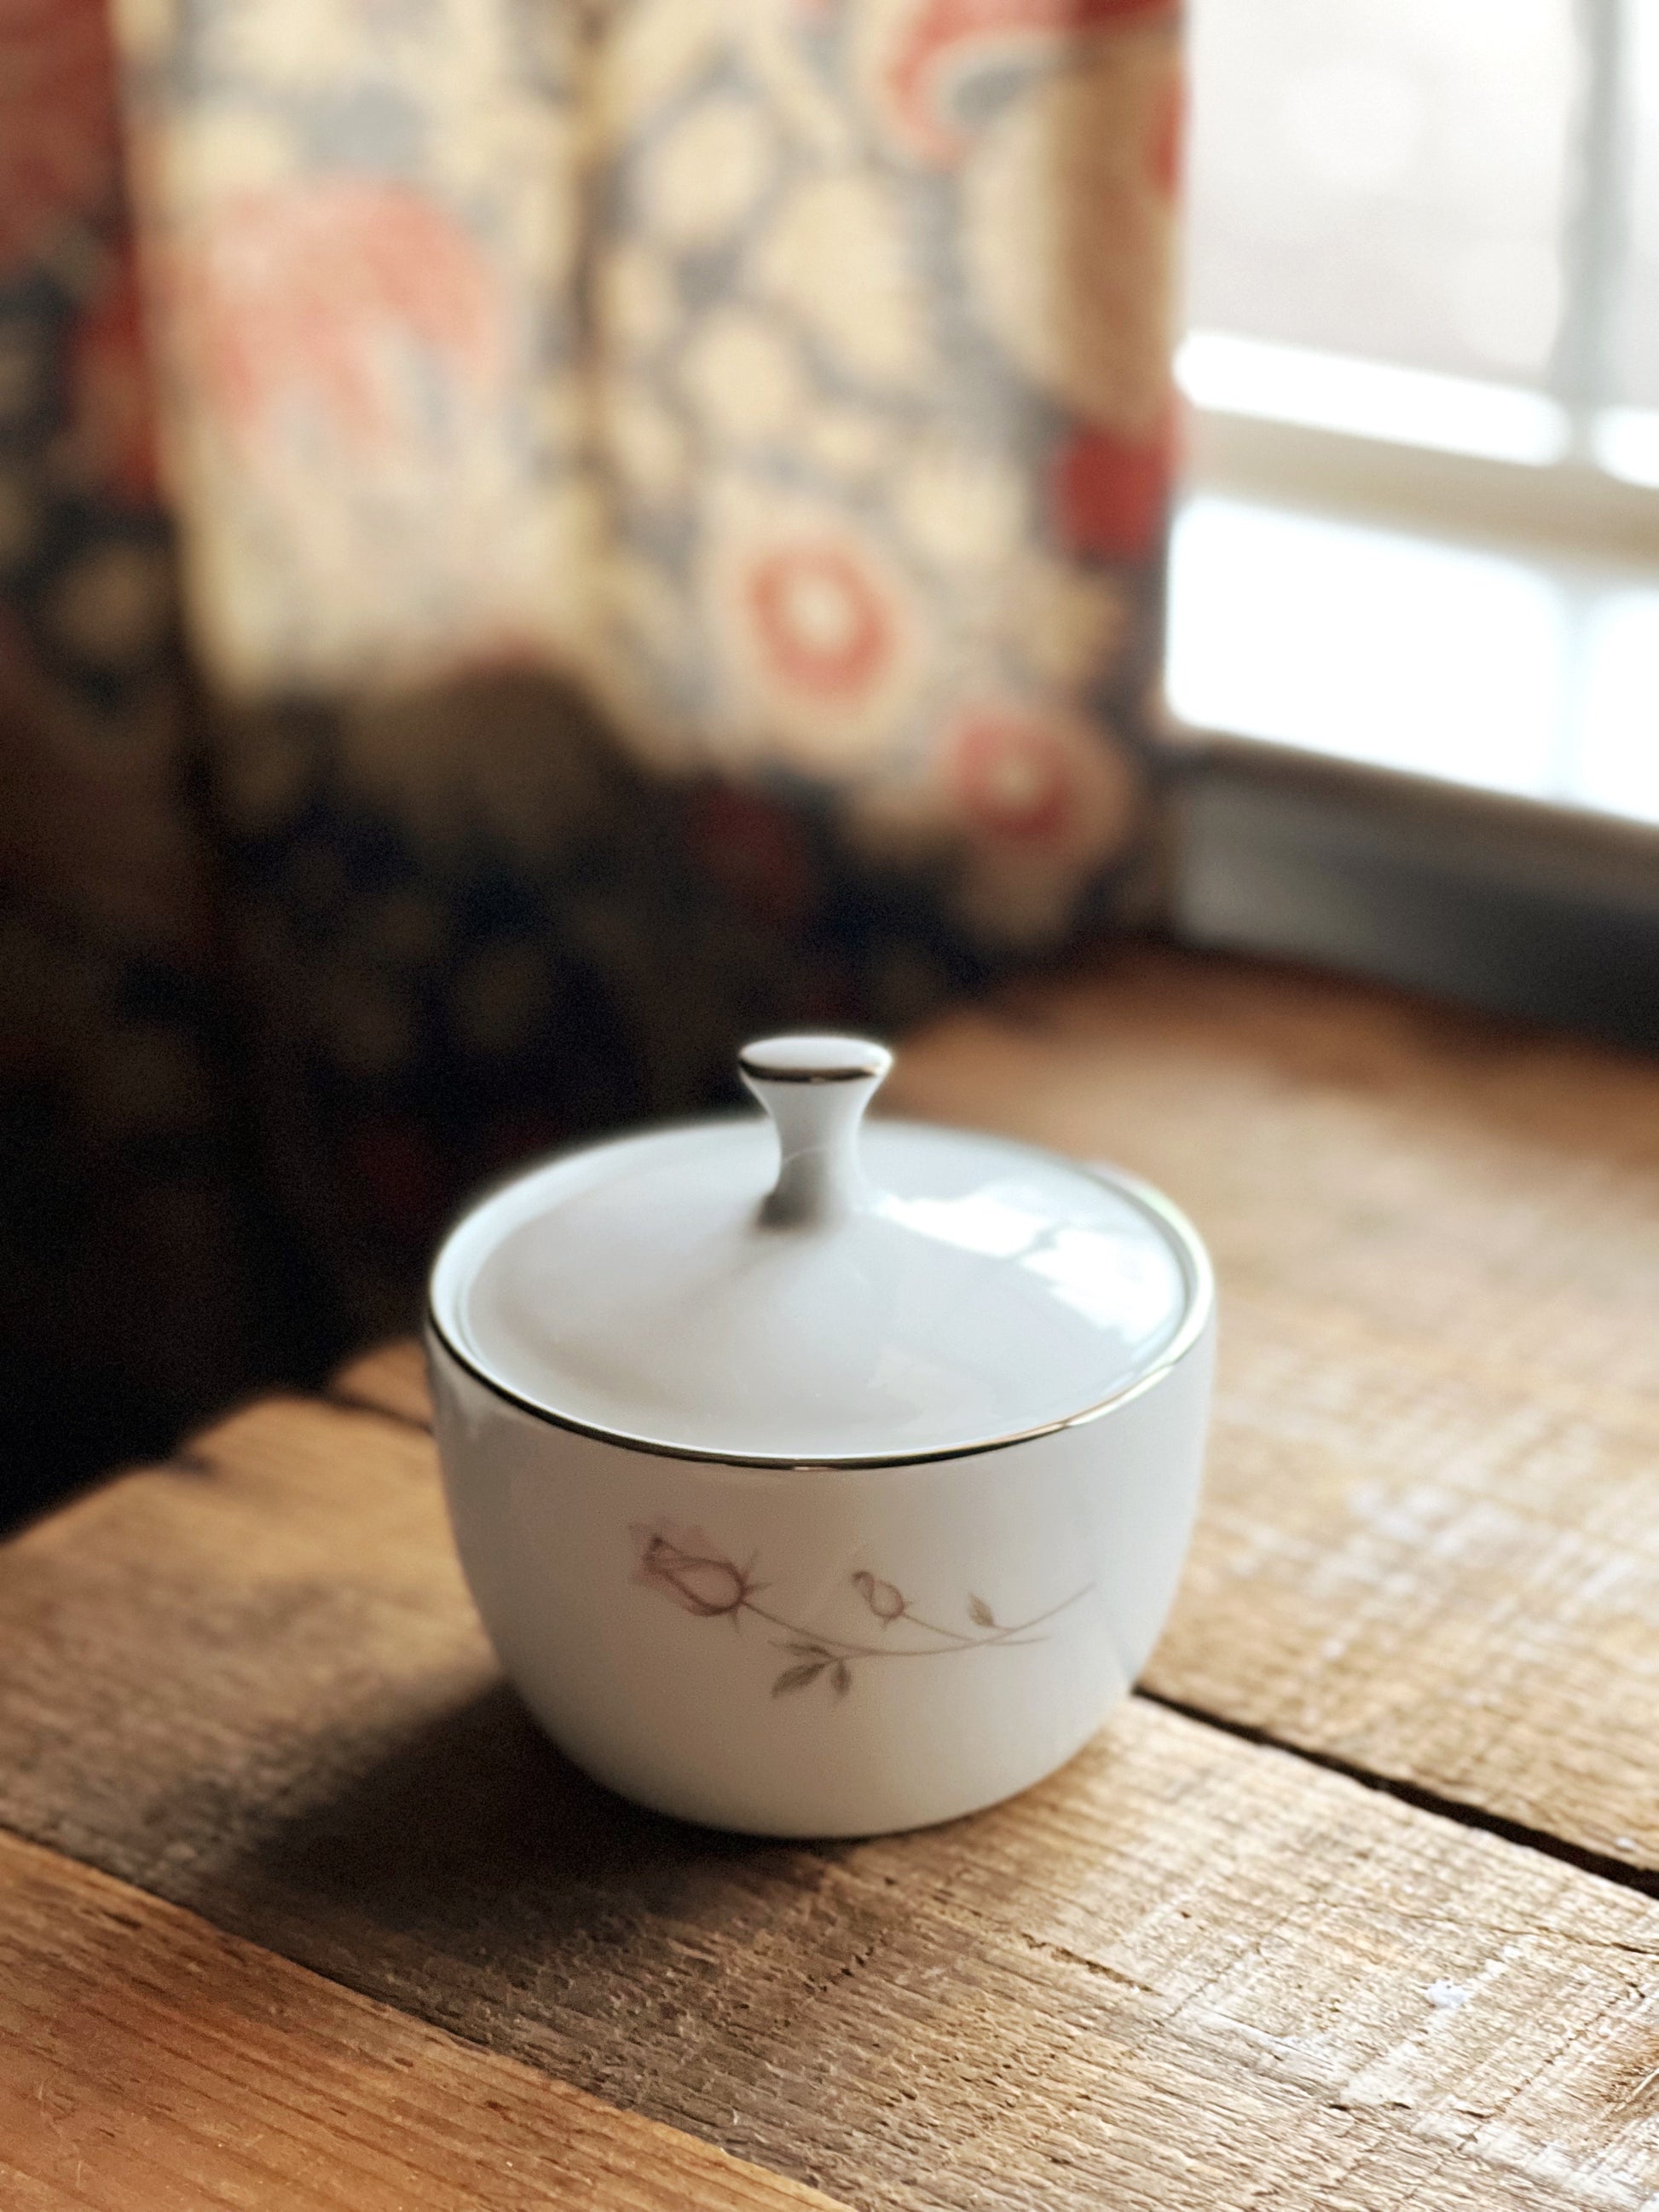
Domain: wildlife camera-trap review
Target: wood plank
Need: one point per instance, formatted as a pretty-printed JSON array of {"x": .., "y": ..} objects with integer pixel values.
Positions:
[
  {"x": 1431, "y": 1540},
  {"x": 1426, "y": 1172},
  {"x": 148, "y": 2062},
  {"x": 387, "y": 1378},
  {"x": 1188, "y": 1972}
]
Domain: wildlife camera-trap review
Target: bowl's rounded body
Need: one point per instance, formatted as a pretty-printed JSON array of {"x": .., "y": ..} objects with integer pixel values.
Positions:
[{"x": 835, "y": 1650}]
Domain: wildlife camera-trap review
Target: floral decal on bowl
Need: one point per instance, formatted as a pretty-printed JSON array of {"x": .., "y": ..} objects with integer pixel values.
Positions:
[{"x": 684, "y": 1565}]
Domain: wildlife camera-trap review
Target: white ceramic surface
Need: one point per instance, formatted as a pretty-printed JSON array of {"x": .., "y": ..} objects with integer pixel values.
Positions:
[
  {"x": 786, "y": 1511},
  {"x": 784, "y": 1287}
]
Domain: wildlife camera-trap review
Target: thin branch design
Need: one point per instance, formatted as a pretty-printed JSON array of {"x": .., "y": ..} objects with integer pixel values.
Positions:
[
  {"x": 682, "y": 1565},
  {"x": 841, "y": 1645}
]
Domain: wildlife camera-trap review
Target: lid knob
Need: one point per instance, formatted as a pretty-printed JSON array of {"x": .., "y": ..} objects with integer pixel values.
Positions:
[{"x": 816, "y": 1090}]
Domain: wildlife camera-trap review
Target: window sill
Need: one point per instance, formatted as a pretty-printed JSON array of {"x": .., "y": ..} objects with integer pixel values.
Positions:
[{"x": 1432, "y": 762}]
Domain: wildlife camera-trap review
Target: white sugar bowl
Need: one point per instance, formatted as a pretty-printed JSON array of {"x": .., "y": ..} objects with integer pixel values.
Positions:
[{"x": 815, "y": 1477}]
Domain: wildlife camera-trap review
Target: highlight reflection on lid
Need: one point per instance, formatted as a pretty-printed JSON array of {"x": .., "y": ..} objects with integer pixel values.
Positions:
[{"x": 792, "y": 1287}]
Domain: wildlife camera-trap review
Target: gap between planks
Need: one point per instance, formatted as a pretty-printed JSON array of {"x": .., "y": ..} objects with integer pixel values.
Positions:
[
  {"x": 148, "y": 2060},
  {"x": 1643, "y": 1880},
  {"x": 1186, "y": 1972}
]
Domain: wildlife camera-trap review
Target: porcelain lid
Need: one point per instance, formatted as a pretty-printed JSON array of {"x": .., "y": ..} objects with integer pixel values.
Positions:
[{"x": 794, "y": 1288}]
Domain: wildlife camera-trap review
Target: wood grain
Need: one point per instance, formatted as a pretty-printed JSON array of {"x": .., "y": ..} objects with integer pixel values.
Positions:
[
  {"x": 1430, "y": 1542},
  {"x": 148, "y": 2062},
  {"x": 387, "y": 1378},
  {"x": 1189, "y": 1972}
]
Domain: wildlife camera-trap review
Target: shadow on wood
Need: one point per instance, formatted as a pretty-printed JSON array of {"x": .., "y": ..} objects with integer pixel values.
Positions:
[{"x": 475, "y": 1805}]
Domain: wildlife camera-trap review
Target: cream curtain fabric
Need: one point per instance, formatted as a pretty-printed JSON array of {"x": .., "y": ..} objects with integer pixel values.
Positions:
[{"x": 535, "y": 538}]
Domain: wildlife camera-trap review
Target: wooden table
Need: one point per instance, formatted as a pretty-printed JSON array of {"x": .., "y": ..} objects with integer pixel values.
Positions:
[{"x": 1353, "y": 1905}]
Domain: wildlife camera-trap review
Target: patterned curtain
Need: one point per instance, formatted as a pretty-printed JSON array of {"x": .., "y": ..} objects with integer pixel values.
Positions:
[{"x": 662, "y": 536}]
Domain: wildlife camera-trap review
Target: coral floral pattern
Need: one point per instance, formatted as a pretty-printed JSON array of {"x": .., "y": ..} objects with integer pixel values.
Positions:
[
  {"x": 671, "y": 498},
  {"x": 922, "y": 54},
  {"x": 822, "y": 625},
  {"x": 326, "y": 296},
  {"x": 880, "y": 321},
  {"x": 684, "y": 1565}
]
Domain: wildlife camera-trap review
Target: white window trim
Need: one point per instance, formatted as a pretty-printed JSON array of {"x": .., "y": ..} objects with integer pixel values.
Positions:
[
  {"x": 1515, "y": 902},
  {"x": 1593, "y": 247},
  {"x": 1443, "y": 453}
]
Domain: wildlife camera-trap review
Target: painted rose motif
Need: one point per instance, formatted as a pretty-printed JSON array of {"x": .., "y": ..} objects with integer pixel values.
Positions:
[
  {"x": 688, "y": 1569},
  {"x": 883, "y": 1599},
  {"x": 685, "y": 1567}
]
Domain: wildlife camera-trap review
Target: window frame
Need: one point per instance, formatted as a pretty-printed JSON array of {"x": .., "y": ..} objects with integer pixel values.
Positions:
[{"x": 1519, "y": 905}]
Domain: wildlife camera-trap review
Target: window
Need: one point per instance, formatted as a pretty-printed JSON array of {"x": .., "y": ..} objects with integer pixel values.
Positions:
[{"x": 1422, "y": 360}]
